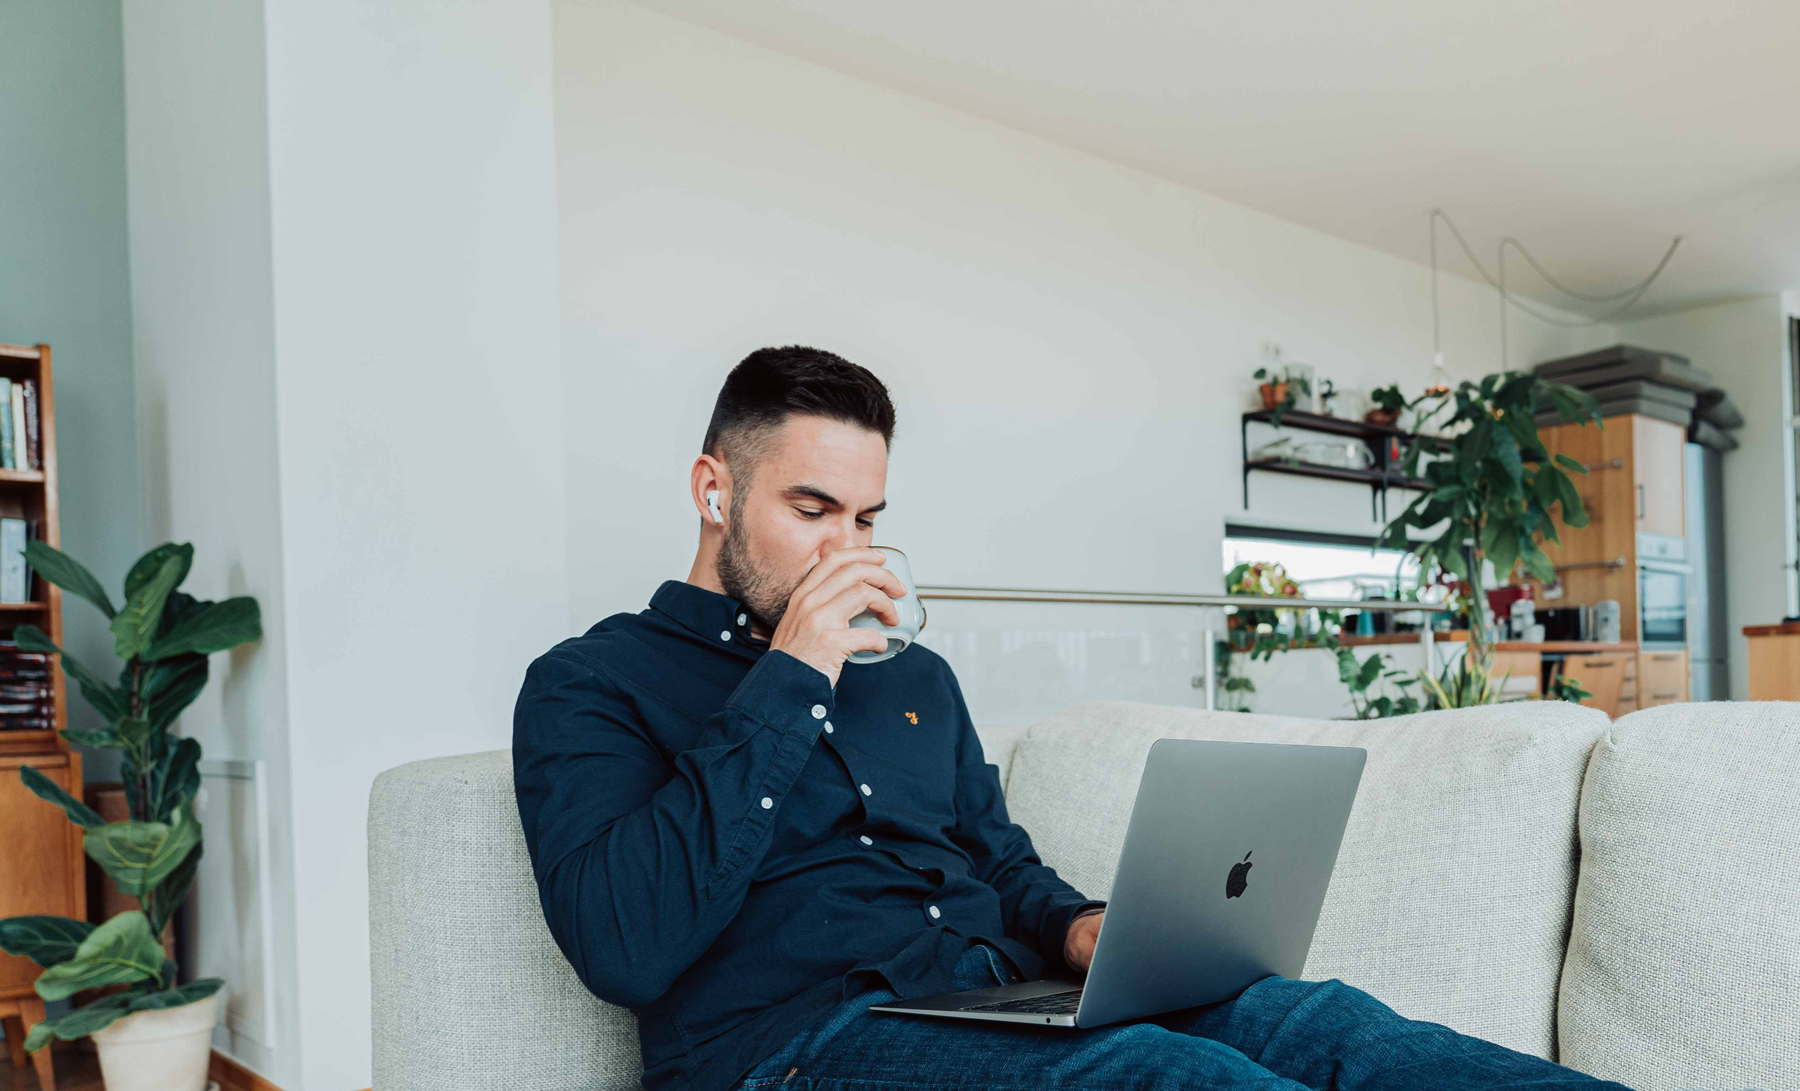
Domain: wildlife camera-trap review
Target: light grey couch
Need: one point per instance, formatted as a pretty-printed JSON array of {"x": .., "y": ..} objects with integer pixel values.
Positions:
[{"x": 1623, "y": 897}]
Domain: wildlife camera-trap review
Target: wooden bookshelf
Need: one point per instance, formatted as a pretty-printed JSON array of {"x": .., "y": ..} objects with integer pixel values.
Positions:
[
  {"x": 31, "y": 494},
  {"x": 41, "y": 863}
]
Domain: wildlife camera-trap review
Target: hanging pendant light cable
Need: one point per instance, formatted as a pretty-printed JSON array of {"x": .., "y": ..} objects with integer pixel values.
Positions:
[{"x": 1630, "y": 295}]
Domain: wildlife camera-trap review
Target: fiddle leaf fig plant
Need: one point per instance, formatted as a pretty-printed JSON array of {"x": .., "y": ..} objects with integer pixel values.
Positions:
[
  {"x": 1494, "y": 490},
  {"x": 164, "y": 636}
]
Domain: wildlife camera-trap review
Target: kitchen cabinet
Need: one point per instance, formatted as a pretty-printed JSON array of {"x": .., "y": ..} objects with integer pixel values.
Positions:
[
  {"x": 1658, "y": 470},
  {"x": 1774, "y": 661},
  {"x": 1602, "y": 674},
  {"x": 1662, "y": 677}
]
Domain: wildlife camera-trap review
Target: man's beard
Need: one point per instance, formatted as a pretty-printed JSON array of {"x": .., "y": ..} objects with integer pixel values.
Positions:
[{"x": 763, "y": 593}]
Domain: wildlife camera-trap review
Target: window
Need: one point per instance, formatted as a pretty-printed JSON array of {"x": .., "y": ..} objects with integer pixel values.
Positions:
[{"x": 1326, "y": 566}]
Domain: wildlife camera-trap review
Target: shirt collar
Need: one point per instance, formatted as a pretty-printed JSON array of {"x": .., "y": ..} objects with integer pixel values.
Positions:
[{"x": 718, "y": 619}]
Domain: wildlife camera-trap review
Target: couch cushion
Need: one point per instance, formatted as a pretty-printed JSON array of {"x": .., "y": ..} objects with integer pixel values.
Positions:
[
  {"x": 1684, "y": 963},
  {"x": 998, "y": 744},
  {"x": 470, "y": 990},
  {"x": 1450, "y": 901}
]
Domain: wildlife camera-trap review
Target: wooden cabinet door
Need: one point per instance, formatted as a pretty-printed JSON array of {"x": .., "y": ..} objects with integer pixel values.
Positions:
[
  {"x": 40, "y": 856},
  {"x": 1658, "y": 470},
  {"x": 1662, "y": 678},
  {"x": 1601, "y": 674}
]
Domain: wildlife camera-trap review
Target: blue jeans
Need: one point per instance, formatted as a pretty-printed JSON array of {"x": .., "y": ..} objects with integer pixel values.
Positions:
[{"x": 1277, "y": 1035}]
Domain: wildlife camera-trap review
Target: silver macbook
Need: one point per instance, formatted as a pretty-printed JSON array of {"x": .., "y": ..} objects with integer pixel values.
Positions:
[{"x": 1219, "y": 885}]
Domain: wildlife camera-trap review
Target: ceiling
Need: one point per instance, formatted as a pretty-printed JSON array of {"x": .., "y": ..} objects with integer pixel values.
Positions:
[{"x": 1593, "y": 131}]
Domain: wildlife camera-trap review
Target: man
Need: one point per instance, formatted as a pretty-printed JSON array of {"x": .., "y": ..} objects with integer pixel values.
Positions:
[{"x": 748, "y": 844}]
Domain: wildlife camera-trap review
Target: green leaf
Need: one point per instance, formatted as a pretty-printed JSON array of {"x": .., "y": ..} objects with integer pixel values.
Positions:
[
  {"x": 147, "y": 566},
  {"x": 135, "y": 626},
  {"x": 44, "y": 788},
  {"x": 80, "y": 1022},
  {"x": 216, "y": 628},
  {"x": 171, "y": 892},
  {"x": 1571, "y": 465},
  {"x": 176, "y": 997},
  {"x": 42, "y": 939},
  {"x": 1538, "y": 564},
  {"x": 109, "y": 702},
  {"x": 123, "y": 949},
  {"x": 1506, "y": 452},
  {"x": 99, "y": 738},
  {"x": 1371, "y": 670},
  {"x": 67, "y": 573},
  {"x": 139, "y": 855},
  {"x": 1574, "y": 512},
  {"x": 1346, "y": 660},
  {"x": 174, "y": 779}
]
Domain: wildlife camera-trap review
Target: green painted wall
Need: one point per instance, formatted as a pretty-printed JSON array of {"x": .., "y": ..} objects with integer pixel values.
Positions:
[{"x": 64, "y": 279}]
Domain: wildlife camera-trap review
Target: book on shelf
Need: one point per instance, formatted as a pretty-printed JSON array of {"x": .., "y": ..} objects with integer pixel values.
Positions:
[
  {"x": 15, "y": 575},
  {"x": 21, "y": 450},
  {"x": 26, "y": 700},
  {"x": 19, "y": 425}
]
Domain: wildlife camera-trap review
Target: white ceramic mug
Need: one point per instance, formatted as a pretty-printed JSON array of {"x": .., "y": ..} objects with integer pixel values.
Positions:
[{"x": 911, "y": 610}]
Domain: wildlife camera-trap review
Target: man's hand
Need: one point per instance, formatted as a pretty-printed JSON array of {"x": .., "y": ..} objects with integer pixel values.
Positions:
[
  {"x": 1078, "y": 944},
  {"x": 816, "y": 628}
]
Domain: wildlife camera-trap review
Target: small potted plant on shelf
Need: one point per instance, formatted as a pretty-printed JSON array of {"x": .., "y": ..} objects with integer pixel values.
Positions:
[
  {"x": 152, "y": 1033},
  {"x": 1280, "y": 390}
]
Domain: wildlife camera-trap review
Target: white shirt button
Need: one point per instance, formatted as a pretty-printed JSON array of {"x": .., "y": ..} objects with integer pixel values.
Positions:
[
  {"x": 724, "y": 634},
  {"x": 818, "y": 712},
  {"x": 865, "y": 839},
  {"x": 767, "y": 803},
  {"x": 933, "y": 910},
  {"x": 743, "y": 618},
  {"x": 827, "y": 727},
  {"x": 866, "y": 790}
]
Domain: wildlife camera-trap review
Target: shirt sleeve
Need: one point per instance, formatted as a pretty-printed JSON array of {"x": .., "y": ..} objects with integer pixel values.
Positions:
[
  {"x": 642, "y": 858},
  {"x": 1035, "y": 903}
]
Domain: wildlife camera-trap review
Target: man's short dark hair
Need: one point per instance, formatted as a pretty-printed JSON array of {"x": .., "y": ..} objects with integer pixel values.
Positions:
[{"x": 770, "y": 385}]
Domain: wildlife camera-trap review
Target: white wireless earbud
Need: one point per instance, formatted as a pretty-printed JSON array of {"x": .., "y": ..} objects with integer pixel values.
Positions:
[{"x": 712, "y": 505}]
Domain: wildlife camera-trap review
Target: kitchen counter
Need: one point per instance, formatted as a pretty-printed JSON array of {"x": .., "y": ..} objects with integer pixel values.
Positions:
[
  {"x": 1461, "y": 636},
  {"x": 1774, "y": 661}
]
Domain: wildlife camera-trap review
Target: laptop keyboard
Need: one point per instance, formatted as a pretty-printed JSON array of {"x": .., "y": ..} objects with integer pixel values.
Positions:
[{"x": 1048, "y": 1004}]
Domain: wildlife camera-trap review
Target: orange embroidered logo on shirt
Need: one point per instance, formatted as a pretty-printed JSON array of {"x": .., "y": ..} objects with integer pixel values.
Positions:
[{"x": 913, "y": 716}]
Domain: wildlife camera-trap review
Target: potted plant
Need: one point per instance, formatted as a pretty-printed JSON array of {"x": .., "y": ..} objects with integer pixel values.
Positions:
[
  {"x": 1492, "y": 492},
  {"x": 152, "y": 1034},
  {"x": 1281, "y": 390}
]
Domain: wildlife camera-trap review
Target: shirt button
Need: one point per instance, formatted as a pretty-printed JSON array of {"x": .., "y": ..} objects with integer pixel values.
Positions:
[
  {"x": 767, "y": 803},
  {"x": 818, "y": 712},
  {"x": 866, "y": 790},
  {"x": 933, "y": 910},
  {"x": 724, "y": 634},
  {"x": 827, "y": 727},
  {"x": 743, "y": 618},
  {"x": 865, "y": 839}
]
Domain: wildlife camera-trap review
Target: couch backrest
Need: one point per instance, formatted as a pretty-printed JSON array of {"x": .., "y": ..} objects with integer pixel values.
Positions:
[
  {"x": 1683, "y": 965},
  {"x": 1452, "y": 893},
  {"x": 470, "y": 990}
]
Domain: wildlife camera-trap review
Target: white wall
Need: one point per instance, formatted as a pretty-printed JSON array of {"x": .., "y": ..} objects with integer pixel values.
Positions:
[
  {"x": 1744, "y": 344},
  {"x": 1069, "y": 341},
  {"x": 204, "y": 344},
  {"x": 344, "y": 235}
]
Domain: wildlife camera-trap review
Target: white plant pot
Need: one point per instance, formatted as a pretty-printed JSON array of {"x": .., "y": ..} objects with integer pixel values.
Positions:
[{"x": 165, "y": 1050}]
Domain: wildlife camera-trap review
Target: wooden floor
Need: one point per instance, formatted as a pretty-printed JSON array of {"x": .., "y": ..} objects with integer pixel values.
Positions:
[{"x": 76, "y": 1070}]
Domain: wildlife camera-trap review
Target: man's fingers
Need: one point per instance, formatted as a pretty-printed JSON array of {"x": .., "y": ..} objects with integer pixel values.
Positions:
[
  {"x": 835, "y": 560},
  {"x": 846, "y": 578},
  {"x": 856, "y": 598}
]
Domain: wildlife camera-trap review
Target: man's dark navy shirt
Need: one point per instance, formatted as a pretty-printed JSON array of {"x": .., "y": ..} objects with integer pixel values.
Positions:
[{"x": 730, "y": 847}]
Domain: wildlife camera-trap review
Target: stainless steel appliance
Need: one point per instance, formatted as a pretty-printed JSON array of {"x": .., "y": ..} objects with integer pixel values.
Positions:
[
  {"x": 1663, "y": 575},
  {"x": 1708, "y": 639}
]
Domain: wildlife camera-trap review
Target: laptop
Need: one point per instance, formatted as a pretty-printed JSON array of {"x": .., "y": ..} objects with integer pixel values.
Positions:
[{"x": 1225, "y": 865}]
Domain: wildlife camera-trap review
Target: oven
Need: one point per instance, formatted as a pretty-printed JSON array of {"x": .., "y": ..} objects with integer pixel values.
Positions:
[{"x": 1663, "y": 575}]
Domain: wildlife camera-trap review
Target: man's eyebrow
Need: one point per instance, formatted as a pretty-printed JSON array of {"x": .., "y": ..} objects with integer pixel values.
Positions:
[{"x": 813, "y": 492}]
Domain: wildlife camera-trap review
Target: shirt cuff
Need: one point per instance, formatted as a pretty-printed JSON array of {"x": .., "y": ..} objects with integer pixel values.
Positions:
[
  {"x": 785, "y": 693},
  {"x": 1057, "y": 925}
]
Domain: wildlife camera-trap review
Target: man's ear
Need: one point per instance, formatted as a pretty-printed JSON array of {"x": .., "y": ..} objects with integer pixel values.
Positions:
[{"x": 710, "y": 483}]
